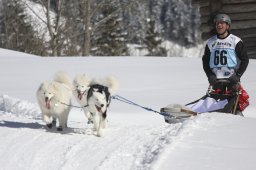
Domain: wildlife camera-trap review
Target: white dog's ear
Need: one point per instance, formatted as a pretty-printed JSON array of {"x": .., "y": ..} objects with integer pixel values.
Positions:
[
  {"x": 41, "y": 86},
  {"x": 54, "y": 85},
  {"x": 87, "y": 79},
  {"x": 44, "y": 85},
  {"x": 73, "y": 87}
]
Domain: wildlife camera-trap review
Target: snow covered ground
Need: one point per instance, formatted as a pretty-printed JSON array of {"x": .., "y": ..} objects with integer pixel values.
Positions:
[{"x": 134, "y": 138}]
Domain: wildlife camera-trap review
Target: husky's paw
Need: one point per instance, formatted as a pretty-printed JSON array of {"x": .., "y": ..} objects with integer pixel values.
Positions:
[
  {"x": 54, "y": 122},
  {"x": 59, "y": 128}
]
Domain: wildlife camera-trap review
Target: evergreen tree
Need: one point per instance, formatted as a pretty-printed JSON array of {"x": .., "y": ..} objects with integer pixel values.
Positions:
[
  {"x": 112, "y": 25},
  {"x": 16, "y": 31},
  {"x": 111, "y": 38},
  {"x": 153, "y": 41}
]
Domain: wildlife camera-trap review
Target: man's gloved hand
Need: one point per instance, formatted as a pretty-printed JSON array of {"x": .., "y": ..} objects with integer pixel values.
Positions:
[
  {"x": 212, "y": 79},
  {"x": 234, "y": 79}
]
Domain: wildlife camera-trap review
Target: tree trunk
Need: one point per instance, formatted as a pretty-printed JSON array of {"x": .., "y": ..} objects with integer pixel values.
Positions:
[
  {"x": 54, "y": 29},
  {"x": 87, "y": 28}
]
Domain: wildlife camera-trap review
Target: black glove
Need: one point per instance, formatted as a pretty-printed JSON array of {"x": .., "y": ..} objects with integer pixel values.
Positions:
[
  {"x": 234, "y": 79},
  {"x": 212, "y": 79}
]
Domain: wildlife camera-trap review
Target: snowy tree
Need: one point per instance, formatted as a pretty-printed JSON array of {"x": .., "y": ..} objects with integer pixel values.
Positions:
[
  {"x": 111, "y": 39},
  {"x": 153, "y": 40},
  {"x": 16, "y": 31},
  {"x": 82, "y": 27},
  {"x": 178, "y": 19},
  {"x": 54, "y": 24}
]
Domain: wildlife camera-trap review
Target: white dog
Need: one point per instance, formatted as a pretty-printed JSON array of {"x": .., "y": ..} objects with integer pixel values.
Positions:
[
  {"x": 54, "y": 99},
  {"x": 81, "y": 84},
  {"x": 99, "y": 96}
]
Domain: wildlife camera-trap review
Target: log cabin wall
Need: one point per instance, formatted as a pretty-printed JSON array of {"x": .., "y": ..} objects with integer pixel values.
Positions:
[{"x": 243, "y": 19}]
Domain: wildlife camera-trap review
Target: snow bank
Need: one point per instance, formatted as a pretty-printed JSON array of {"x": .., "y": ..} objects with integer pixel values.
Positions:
[{"x": 18, "y": 107}]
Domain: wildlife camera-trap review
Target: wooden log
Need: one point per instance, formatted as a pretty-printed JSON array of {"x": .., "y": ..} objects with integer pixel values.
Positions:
[
  {"x": 234, "y": 8},
  {"x": 200, "y": 2},
  {"x": 205, "y": 10},
  {"x": 252, "y": 54},
  {"x": 250, "y": 49},
  {"x": 250, "y": 42},
  {"x": 243, "y": 24},
  {"x": 243, "y": 16},
  {"x": 245, "y": 33},
  {"x": 236, "y": 1},
  {"x": 229, "y": 9},
  {"x": 215, "y": 5}
]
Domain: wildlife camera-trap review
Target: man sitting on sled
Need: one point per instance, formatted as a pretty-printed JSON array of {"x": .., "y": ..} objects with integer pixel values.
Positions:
[
  {"x": 224, "y": 61},
  {"x": 225, "y": 57}
]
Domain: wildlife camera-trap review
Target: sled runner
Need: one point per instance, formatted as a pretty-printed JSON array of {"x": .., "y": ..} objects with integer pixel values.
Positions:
[{"x": 223, "y": 97}]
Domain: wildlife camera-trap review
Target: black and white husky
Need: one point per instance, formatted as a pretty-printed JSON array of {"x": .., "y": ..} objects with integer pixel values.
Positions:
[{"x": 98, "y": 100}]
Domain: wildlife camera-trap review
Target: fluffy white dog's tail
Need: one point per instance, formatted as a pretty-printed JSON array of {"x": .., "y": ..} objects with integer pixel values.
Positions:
[
  {"x": 112, "y": 84},
  {"x": 62, "y": 77},
  {"x": 82, "y": 79}
]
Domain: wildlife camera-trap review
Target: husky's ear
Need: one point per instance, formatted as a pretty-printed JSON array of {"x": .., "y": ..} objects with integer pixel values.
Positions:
[
  {"x": 95, "y": 90},
  {"x": 91, "y": 91}
]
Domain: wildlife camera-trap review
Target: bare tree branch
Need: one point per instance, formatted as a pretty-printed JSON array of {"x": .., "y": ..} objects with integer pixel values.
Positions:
[
  {"x": 34, "y": 13},
  {"x": 97, "y": 25}
]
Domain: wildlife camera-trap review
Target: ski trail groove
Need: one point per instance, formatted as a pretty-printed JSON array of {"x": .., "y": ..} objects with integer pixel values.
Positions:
[{"x": 149, "y": 143}]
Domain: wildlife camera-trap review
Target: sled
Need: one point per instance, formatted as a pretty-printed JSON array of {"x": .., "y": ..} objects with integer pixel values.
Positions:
[
  {"x": 223, "y": 97},
  {"x": 177, "y": 113}
]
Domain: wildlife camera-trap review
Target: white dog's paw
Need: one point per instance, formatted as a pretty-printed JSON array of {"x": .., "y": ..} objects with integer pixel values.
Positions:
[
  {"x": 104, "y": 125},
  {"x": 47, "y": 119},
  {"x": 99, "y": 134},
  {"x": 49, "y": 125}
]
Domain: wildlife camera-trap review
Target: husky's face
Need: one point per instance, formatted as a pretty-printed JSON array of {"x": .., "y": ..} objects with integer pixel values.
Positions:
[{"x": 99, "y": 100}]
